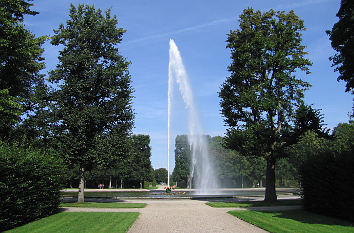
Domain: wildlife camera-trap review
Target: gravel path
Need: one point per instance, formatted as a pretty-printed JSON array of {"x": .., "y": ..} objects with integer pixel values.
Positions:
[{"x": 190, "y": 216}]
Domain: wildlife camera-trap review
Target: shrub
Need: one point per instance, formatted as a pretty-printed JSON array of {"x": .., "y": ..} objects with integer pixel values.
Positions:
[
  {"x": 328, "y": 184},
  {"x": 30, "y": 184}
]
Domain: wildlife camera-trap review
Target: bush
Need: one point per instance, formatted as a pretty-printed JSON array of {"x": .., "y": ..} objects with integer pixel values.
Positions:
[
  {"x": 328, "y": 184},
  {"x": 30, "y": 184}
]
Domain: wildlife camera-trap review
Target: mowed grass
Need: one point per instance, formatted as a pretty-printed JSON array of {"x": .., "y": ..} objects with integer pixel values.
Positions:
[
  {"x": 294, "y": 221},
  {"x": 245, "y": 204},
  {"x": 104, "y": 205},
  {"x": 80, "y": 222}
]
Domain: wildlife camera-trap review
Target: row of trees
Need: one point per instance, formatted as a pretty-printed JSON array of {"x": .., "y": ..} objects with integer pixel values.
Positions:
[
  {"x": 236, "y": 170},
  {"x": 83, "y": 109}
]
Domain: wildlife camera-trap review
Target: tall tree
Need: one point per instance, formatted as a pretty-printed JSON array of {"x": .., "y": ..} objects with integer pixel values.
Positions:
[
  {"x": 140, "y": 163},
  {"x": 342, "y": 37},
  {"x": 259, "y": 98},
  {"x": 94, "y": 94},
  {"x": 181, "y": 172}
]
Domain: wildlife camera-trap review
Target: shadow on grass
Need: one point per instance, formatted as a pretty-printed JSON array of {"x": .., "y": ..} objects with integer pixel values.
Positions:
[
  {"x": 283, "y": 202},
  {"x": 310, "y": 218}
]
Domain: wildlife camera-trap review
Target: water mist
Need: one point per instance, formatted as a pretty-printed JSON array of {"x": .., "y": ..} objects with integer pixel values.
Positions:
[{"x": 202, "y": 172}]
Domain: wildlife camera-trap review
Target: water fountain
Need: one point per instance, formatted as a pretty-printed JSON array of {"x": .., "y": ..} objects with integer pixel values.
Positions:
[{"x": 202, "y": 172}]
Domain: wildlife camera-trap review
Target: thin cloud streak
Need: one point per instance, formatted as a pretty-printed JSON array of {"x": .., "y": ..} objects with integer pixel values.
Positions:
[
  {"x": 183, "y": 30},
  {"x": 300, "y": 4}
]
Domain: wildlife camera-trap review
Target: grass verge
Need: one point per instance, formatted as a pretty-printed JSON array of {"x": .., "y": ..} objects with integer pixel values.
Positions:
[
  {"x": 80, "y": 222},
  {"x": 245, "y": 204},
  {"x": 294, "y": 221},
  {"x": 104, "y": 205}
]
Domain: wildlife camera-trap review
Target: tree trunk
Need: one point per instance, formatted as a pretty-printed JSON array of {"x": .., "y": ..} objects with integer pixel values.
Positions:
[
  {"x": 141, "y": 184},
  {"x": 121, "y": 183},
  {"x": 270, "y": 193},
  {"x": 110, "y": 182},
  {"x": 80, "y": 196}
]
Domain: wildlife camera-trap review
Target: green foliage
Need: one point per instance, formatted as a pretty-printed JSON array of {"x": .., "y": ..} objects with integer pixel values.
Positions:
[
  {"x": 343, "y": 137},
  {"x": 20, "y": 50},
  {"x": 308, "y": 145},
  {"x": 161, "y": 175},
  {"x": 308, "y": 119},
  {"x": 311, "y": 144},
  {"x": 259, "y": 98},
  {"x": 10, "y": 111},
  {"x": 150, "y": 184},
  {"x": 342, "y": 37},
  {"x": 81, "y": 222},
  {"x": 30, "y": 184},
  {"x": 327, "y": 182}
]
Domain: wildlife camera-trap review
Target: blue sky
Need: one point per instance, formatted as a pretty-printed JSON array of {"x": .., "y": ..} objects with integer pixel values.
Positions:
[{"x": 200, "y": 30}]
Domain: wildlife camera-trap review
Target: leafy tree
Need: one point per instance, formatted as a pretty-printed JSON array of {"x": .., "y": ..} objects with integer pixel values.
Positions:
[
  {"x": 259, "y": 98},
  {"x": 181, "y": 172},
  {"x": 140, "y": 163},
  {"x": 309, "y": 145},
  {"x": 343, "y": 135},
  {"x": 92, "y": 103},
  {"x": 342, "y": 37},
  {"x": 20, "y": 50}
]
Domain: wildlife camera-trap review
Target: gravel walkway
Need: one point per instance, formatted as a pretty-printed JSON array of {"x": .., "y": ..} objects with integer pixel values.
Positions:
[
  {"x": 190, "y": 216},
  {"x": 178, "y": 216}
]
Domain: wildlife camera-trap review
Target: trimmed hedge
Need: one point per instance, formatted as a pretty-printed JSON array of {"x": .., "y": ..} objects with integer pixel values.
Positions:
[
  {"x": 30, "y": 185},
  {"x": 327, "y": 184}
]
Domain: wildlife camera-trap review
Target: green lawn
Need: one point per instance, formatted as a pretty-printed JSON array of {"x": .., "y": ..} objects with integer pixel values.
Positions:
[
  {"x": 104, "y": 205},
  {"x": 244, "y": 204},
  {"x": 294, "y": 221},
  {"x": 80, "y": 222}
]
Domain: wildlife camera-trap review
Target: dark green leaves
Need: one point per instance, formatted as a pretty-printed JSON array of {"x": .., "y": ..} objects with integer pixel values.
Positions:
[{"x": 342, "y": 37}]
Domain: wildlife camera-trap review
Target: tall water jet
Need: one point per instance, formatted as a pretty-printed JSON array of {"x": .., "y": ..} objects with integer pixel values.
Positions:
[{"x": 202, "y": 172}]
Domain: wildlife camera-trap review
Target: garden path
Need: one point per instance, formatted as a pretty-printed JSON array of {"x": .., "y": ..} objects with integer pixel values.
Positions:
[{"x": 192, "y": 216}]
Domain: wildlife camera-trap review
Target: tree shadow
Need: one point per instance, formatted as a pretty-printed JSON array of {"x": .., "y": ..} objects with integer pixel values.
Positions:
[{"x": 307, "y": 217}]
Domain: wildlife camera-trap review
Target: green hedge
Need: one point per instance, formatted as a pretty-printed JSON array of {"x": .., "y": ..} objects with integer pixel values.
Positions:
[
  {"x": 328, "y": 184},
  {"x": 30, "y": 184}
]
